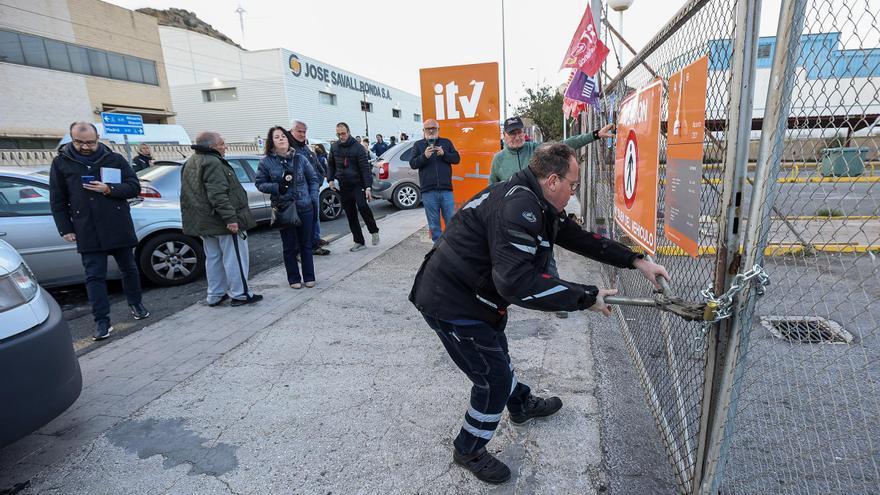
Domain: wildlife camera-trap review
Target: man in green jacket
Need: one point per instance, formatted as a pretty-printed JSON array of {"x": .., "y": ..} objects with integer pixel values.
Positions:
[
  {"x": 214, "y": 206},
  {"x": 517, "y": 151},
  {"x": 516, "y": 155}
]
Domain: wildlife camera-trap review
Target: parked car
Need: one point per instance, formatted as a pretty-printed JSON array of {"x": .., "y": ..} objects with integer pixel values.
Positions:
[
  {"x": 41, "y": 375},
  {"x": 162, "y": 180},
  {"x": 394, "y": 180},
  {"x": 165, "y": 255}
]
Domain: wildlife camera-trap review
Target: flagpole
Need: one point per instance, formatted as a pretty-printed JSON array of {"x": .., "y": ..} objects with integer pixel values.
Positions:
[{"x": 503, "y": 62}]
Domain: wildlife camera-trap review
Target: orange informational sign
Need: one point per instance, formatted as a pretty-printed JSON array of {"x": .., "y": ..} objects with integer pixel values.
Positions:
[
  {"x": 635, "y": 165},
  {"x": 464, "y": 99},
  {"x": 684, "y": 154}
]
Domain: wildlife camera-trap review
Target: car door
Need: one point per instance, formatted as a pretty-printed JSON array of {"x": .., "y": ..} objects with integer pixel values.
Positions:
[
  {"x": 26, "y": 223},
  {"x": 262, "y": 213}
]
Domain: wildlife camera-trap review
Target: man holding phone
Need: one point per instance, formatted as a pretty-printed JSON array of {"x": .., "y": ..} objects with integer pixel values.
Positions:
[
  {"x": 433, "y": 157},
  {"x": 89, "y": 186}
]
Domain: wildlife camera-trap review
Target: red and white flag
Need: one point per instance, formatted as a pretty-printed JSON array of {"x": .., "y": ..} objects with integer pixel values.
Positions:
[{"x": 586, "y": 51}]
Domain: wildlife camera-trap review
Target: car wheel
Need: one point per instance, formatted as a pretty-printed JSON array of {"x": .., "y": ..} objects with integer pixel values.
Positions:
[
  {"x": 331, "y": 205},
  {"x": 172, "y": 259},
  {"x": 406, "y": 196}
]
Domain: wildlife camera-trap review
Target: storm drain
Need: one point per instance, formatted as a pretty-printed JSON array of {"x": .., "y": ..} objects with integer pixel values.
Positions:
[{"x": 806, "y": 329}]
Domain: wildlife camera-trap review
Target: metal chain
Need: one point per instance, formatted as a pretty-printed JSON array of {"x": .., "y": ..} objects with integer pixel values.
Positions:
[{"x": 721, "y": 307}]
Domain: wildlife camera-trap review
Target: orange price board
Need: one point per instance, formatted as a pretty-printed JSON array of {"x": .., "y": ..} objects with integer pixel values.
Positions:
[
  {"x": 464, "y": 99},
  {"x": 684, "y": 155},
  {"x": 635, "y": 165}
]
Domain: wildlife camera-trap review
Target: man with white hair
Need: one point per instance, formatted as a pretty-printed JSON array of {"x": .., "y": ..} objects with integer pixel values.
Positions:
[
  {"x": 214, "y": 206},
  {"x": 300, "y": 144}
]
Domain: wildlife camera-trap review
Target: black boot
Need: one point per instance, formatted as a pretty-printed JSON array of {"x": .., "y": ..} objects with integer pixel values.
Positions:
[
  {"x": 484, "y": 466},
  {"x": 536, "y": 407}
]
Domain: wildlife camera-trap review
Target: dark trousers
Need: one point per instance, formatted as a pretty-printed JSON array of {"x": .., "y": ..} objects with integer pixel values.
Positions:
[
  {"x": 298, "y": 241},
  {"x": 354, "y": 200},
  {"x": 480, "y": 351},
  {"x": 95, "y": 264}
]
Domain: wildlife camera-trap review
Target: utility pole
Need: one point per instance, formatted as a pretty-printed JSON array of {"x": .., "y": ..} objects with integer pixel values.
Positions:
[
  {"x": 366, "y": 107},
  {"x": 240, "y": 11}
]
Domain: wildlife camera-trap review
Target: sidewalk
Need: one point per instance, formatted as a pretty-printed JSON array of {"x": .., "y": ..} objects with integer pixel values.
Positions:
[{"x": 338, "y": 389}]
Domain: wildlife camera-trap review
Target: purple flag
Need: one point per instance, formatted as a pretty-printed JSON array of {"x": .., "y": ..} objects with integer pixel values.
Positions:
[{"x": 583, "y": 88}]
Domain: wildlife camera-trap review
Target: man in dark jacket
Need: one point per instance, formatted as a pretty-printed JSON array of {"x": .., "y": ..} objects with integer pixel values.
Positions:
[
  {"x": 88, "y": 189},
  {"x": 300, "y": 144},
  {"x": 143, "y": 159},
  {"x": 434, "y": 157},
  {"x": 495, "y": 253},
  {"x": 214, "y": 207},
  {"x": 349, "y": 172},
  {"x": 379, "y": 146}
]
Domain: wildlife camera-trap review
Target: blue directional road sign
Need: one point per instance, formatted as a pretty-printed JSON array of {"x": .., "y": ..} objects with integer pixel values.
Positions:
[{"x": 122, "y": 123}]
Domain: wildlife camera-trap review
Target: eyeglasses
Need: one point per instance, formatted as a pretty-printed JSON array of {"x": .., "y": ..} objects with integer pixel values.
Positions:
[
  {"x": 340, "y": 134},
  {"x": 85, "y": 143},
  {"x": 574, "y": 185},
  {"x": 431, "y": 128}
]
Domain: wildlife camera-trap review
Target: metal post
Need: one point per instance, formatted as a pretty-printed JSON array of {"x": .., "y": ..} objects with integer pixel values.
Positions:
[
  {"x": 742, "y": 72},
  {"x": 366, "y": 107},
  {"x": 587, "y": 173},
  {"x": 127, "y": 148},
  {"x": 503, "y": 64},
  {"x": 791, "y": 19}
]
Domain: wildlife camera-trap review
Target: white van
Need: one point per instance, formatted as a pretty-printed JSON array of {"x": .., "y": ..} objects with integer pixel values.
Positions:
[{"x": 41, "y": 375}]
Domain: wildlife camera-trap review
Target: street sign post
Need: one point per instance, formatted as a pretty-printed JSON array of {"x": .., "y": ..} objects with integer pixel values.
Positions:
[{"x": 125, "y": 124}]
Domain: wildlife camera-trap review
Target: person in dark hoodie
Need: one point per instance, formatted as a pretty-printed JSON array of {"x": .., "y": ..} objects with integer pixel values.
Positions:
[
  {"x": 349, "y": 172},
  {"x": 90, "y": 208},
  {"x": 143, "y": 159},
  {"x": 434, "y": 157},
  {"x": 301, "y": 145}
]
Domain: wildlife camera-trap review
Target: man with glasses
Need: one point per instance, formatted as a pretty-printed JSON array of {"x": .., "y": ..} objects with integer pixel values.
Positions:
[
  {"x": 434, "y": 157},
  {"x": 518, "y": 151},
  {"x": 89, "y": 186},
  {"x": 301, "y": 145},
  {"x": 495, "y": 253},
  {"x": 350, "y": 173}
]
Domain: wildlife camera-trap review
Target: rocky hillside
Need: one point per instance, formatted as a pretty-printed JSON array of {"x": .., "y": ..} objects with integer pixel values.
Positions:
[{"x": 185, "y": 19}]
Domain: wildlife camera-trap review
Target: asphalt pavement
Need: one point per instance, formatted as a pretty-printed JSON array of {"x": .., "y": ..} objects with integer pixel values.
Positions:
[{"x": 265, "y": 253}]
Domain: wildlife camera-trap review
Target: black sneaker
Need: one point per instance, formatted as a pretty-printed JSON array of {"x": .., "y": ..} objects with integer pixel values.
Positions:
[
  {"x": 253, "y": 298},
  {"x": 536, "y": 407},
  {"x": 484, "y": 466},
  {"x": 218, "y": 302},
  {"x": 102, "y": 330},
  {"x": 319, "y": 251},
  {"x": 138, "y": 311}
]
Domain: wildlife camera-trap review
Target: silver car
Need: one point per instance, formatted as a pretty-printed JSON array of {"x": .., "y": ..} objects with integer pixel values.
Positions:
[
  {"x": 394, "y": 180},
  {"x": 164, "y": 254},
  {"x": 162, "y": 180}
]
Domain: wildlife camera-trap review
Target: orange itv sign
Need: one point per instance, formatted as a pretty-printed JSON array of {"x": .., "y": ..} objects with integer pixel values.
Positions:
[
  {"x": 635, "y": 165},
  {"x": 464, "y": 100}
]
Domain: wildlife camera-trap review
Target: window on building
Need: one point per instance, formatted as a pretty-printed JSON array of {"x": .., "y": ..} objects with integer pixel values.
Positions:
[
  {"x": 395, "y": 112},
  {"x": 764, "y": 51},
  {"x": 326, "y": 98},
  {"x": 417, "y": 117},
  {"x": 36, "y": 51},
  {"x": 10, "y": 48},
  {"x": 366, "y": 106},
  {"x": 225, "y": 94}
]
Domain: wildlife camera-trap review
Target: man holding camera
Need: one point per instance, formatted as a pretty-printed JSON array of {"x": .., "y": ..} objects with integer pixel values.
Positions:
[
  {"x": 433, "y": 157},
  {"x": 89, "y": 186}
]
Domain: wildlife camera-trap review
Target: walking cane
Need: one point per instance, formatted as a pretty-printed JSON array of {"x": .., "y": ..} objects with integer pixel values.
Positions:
[{"x": 247, "y": 293}]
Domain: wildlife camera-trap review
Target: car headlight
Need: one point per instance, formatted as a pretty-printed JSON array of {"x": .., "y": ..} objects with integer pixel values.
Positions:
[{"x": 17, "y": 288}]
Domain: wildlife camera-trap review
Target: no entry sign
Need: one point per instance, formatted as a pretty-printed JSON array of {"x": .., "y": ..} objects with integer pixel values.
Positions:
[{"x": 635, "y": 165}]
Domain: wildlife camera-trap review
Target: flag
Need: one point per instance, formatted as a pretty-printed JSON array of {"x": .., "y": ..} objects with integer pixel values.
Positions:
[
  {"x": 583, "y": 88},
  {"x": 572, "y": 108},
  {"x": 586, "y": 51}
]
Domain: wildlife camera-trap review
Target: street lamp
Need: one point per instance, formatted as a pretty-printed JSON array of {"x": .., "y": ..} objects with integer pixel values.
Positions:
[
  {"x": 503, "y": 63},
  {"x": 620, "y": 6}
]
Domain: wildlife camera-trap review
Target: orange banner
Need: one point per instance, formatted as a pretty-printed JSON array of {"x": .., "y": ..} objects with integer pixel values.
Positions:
[
  {"x": 684, "y": 155},
  {"x": 464, "y": 99},
  {"x": 635, "y": 165}
]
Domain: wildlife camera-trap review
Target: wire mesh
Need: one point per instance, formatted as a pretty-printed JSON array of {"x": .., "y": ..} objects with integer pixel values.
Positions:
[
  {"x": 807, "y": 418},
  {"x": 669, "y": 353}
]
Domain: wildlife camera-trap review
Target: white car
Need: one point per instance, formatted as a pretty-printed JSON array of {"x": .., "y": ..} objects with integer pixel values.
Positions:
[{"x": 41, "y": 375}]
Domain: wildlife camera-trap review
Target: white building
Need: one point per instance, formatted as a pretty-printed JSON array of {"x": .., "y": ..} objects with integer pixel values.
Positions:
[{"x": 241, "y": 93}]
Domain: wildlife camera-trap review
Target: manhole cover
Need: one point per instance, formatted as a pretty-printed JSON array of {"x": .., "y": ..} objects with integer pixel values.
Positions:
[{"x": 806, "y": 329}]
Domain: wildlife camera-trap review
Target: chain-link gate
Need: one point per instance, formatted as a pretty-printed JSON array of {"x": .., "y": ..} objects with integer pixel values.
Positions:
[{"x": 760, "y": 403}]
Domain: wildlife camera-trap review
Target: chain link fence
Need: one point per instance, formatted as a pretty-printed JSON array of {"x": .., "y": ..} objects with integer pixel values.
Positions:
[{"x": 762, "y": 403}]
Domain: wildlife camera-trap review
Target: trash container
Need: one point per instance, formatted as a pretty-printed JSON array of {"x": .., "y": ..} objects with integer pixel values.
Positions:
[{"x": 844, "y": 162}]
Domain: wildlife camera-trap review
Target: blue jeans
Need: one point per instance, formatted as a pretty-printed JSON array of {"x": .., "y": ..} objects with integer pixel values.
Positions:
[
  {"x": 437, "y": 203},
  {"x": 95, "y": 265},
  {"x": 480, "y": 351},
  {"x": 298, "y": 241},
  {"x": 317, "y": 236}
]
